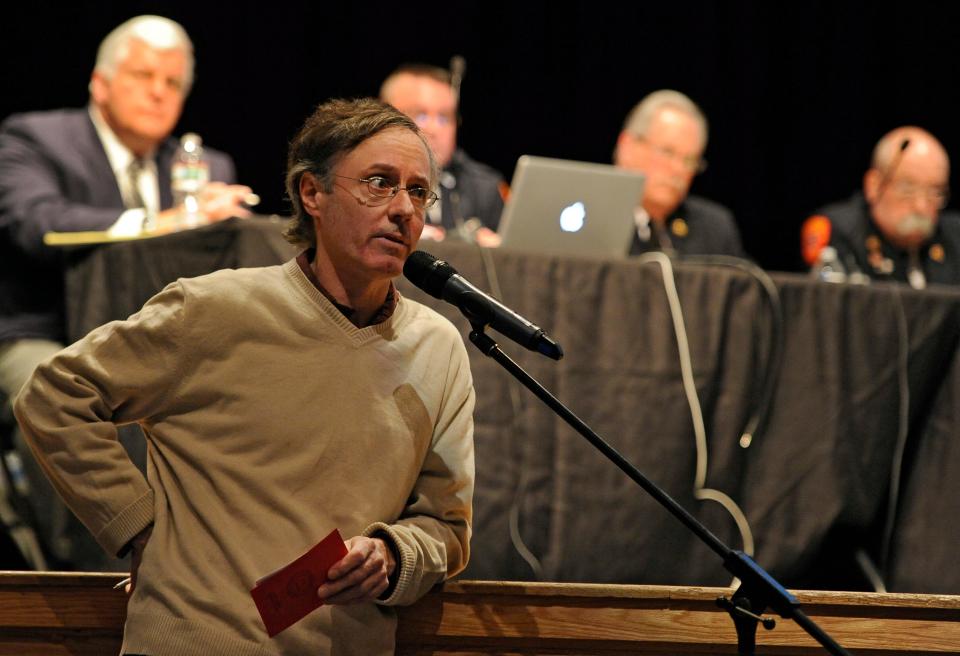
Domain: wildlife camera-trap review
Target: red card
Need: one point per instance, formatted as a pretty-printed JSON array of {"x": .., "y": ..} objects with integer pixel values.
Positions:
[{"x": 289, "y": 594}]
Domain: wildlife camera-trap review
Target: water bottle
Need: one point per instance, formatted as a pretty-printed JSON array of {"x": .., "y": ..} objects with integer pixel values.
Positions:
[
  {"x": 829, "y": 268},
  {"x": 17, "y": 474},
  {"x": 189, "y": 176}
]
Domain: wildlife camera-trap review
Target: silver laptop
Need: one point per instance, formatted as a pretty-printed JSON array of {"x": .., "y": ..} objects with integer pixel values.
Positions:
[{"x": 563, "y": 207}]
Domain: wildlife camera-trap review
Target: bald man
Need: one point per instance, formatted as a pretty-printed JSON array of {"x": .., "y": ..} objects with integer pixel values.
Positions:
[
  {"x": 895, "y": 229},
  {"x": 664, "y": 138}
]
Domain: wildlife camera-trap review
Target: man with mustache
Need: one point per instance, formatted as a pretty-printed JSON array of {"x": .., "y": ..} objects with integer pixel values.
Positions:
[
  {"x": 664, "y": 138},
  {"x": 894, "y": 229},
  {"x": 279, "y": 403}
]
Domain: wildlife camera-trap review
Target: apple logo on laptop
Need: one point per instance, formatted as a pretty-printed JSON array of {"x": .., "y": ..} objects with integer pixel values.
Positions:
[{"x": 572, "y": 217}]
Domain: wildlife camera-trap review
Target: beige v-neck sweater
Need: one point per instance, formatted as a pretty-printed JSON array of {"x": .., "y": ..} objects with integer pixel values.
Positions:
[{"x": 270, "y": 421}]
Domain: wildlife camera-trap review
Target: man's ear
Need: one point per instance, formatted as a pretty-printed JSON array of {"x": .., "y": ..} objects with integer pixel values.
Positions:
[
  {"x": 623, "y": 152},
  {"x": 871, "y": 185},
  {"x": 99, "y": 88},
  {"x": 311, "y": 194}
]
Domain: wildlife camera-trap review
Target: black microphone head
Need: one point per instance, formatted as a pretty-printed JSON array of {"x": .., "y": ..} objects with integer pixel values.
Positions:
[{"x": 427, "y": 272}]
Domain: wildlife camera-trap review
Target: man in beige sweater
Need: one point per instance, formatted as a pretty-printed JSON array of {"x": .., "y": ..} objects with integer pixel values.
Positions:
[{"x": 278, "y": 403}]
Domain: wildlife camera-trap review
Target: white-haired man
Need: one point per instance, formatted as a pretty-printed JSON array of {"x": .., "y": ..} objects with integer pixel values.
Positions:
[
  {"x": 895, "y": 227},
  {"x": 664, "y": 138},
  {"x": 103, "y": 167}
]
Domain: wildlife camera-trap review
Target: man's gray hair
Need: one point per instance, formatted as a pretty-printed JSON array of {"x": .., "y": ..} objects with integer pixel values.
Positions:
[
  {"x": 639, "y": 120},
  {"x": 157, "y": 32}
]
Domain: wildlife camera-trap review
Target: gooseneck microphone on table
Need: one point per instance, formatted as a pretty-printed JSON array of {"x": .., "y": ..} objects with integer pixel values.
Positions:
[
  {"x": 440, "y": 280},
  {"x": 891, "y": 169},
  {"x": 458, "y": 66}
]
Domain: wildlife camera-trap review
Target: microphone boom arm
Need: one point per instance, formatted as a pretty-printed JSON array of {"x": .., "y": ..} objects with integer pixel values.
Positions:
[{"x": 758, "y": 589}]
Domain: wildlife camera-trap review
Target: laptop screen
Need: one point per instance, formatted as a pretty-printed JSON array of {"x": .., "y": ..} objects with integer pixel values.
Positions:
[{"x": 564, "y": 207}]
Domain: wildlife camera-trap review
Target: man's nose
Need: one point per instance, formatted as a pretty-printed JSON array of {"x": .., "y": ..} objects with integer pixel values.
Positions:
[
  {"x": 402, "y": 205},
  {"x": 157, "y": 86},
  {"x": 925, "y": 204}
]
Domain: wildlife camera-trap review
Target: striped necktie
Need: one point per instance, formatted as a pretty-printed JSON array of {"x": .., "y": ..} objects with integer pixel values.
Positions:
[{"x": 134, "y": 199}]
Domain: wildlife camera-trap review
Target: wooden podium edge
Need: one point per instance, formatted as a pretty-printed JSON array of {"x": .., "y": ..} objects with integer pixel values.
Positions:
[{"x": 53, "y": 613}]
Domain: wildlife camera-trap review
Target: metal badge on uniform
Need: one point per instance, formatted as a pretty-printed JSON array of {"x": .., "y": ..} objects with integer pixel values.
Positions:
[
  {"x": 879, "y": 263},
  {"x": 937, "y": 253},
  {"x": 679, "y": 228}
]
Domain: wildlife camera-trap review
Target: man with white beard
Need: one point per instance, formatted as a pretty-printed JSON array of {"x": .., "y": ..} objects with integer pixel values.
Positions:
[{"x": 894, "y": 228}]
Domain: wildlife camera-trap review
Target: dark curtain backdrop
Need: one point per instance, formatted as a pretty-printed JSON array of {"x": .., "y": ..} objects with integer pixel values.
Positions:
[{"x": 797, "y": 93}]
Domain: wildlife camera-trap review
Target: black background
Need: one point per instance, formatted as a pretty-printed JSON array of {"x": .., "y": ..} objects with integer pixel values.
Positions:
[{"x": 797, "y": 93}]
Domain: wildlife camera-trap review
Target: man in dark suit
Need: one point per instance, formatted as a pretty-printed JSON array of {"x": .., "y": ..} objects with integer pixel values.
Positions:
[
  {"x": 103, "y": 168},
  {"x": 471, "y": 193},
  {"x": 664, "y": 138}
]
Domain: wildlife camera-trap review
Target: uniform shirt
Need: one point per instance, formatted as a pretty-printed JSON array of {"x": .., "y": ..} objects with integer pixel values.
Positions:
[
  {"x": 861, "y": 247},
  {"x": 468, "y": 190},
  {"x": 697, "y": 227}
]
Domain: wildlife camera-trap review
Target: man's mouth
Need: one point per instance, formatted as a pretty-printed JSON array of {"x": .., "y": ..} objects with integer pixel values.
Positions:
[{"x": 394, "y": 237}]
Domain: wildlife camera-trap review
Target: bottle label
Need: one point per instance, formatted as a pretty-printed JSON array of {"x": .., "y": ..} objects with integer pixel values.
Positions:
[{"x": 189, "y": 177}]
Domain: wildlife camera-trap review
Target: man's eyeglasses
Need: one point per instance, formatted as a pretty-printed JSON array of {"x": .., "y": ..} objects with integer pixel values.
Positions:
[
  {"x": 689, "y": 162},
  {"x": 937, "y": 196},
  {"x": 380, "y": 188}
]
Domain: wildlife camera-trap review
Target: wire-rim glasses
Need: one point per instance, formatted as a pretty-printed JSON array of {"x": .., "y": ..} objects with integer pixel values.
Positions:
[{"x": 380, "y": 187}]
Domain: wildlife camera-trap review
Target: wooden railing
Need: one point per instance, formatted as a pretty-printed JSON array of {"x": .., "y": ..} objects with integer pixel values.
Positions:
[{"x": 53, "y": 614}]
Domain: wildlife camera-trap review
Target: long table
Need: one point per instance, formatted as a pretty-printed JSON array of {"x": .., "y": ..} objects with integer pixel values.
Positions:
[{"x": 856, "y": 458}]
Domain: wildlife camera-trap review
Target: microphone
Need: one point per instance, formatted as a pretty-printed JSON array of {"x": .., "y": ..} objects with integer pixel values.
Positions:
[
  {"x": 892, "y": 168},
  {"x": 440, "y": 280},
  {"x": 458, "y": 66}
]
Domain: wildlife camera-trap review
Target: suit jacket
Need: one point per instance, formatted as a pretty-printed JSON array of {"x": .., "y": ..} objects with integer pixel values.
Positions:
[
  {"x": 55, "y": 176},
  {"x": 469, "y": 190}
]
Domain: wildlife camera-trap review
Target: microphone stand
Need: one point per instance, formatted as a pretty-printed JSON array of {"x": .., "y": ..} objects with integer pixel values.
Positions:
[{"x": 758, "y": 589}]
